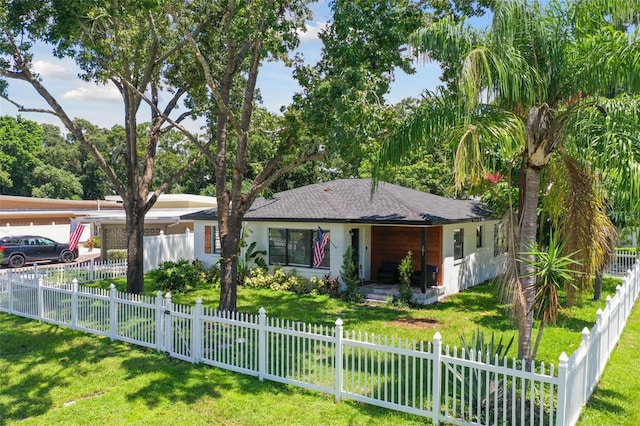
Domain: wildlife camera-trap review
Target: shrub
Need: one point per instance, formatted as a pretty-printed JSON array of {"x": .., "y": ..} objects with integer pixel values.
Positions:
[
  {"x": 327, "y": 285},
  {"x": 178, "y": 277},
  {"x": 406, "y": 270},
  {"x": 349, "y": 275},
  {"x": 252, "y": 259},
  {"x": 279, "y": 280},
  {"x": 212, "y": 275},
  {"x": 116, "y": 254},
  {"x": 93, "y": 242}
]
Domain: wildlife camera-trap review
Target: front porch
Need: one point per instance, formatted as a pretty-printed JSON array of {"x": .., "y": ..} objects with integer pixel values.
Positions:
[{"x": 380, "y": 293}]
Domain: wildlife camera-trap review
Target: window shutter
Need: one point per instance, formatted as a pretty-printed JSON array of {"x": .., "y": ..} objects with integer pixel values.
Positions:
[{"x": 207, "y": 239}]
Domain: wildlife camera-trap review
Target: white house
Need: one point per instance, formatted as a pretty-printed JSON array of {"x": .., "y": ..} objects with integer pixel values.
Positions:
[{"x": 455, "y": 237}]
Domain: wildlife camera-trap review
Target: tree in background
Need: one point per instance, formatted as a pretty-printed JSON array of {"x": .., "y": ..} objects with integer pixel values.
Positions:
[
  {"x": 343, "y": 96},
  {"x": 536, "y": 94},
  {"x": 20, "y": 145},
  {"x": 127, "y": 45}
]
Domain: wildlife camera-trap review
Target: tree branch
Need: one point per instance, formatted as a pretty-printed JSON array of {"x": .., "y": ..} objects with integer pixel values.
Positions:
[
  {"x": 24, "y": 109},
  {"x": 208, "y": 74}
]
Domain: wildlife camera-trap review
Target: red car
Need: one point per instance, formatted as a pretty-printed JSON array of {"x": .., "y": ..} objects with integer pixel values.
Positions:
[{"x": 21, "y": 249}]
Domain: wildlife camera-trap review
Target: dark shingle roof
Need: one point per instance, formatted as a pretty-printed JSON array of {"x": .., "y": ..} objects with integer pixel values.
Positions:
[{"x": 349, "y": 200}]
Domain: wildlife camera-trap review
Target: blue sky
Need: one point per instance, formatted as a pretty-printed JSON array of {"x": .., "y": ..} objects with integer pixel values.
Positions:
[{"x": 102, "y": 105}]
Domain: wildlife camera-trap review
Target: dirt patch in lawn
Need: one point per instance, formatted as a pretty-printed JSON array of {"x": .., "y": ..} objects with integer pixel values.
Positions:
[{"x": 416, "y": 323}]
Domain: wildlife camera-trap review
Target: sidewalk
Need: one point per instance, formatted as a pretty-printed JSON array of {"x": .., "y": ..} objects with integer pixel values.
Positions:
[{"x": 85, "y": 255}]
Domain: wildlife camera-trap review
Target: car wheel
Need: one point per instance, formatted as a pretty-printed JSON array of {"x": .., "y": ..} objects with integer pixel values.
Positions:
[
  {"x": 16, "y": 261},
  {"x": 67, "y": 256}
]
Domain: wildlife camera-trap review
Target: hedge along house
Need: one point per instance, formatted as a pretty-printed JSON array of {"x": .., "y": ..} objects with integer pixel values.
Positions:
[{"x": 454, "y": 237}]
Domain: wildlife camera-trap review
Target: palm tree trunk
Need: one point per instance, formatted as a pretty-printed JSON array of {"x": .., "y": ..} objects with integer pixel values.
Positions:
[
  {"x": 543, "y": 324},
  {"x": 597, "y": 288},
  {"x": 527, "y": 242}
]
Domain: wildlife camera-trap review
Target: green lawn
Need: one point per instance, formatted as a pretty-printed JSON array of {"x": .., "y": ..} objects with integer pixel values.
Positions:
[
  {"x": 616, "y": 400},
  {"x": 52, "y": 375},
  {"x": 55, "y": 376},
  {"x": 475, "y": 308}
]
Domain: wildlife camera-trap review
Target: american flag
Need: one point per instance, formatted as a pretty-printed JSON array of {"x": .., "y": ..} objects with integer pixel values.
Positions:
[
  {"x": 75, "y": 233},
  {"x": 318, "y": 247}
]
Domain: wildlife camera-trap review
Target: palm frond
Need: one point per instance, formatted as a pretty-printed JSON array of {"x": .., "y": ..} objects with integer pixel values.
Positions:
[
  {"x": 444, "y": 40},
  {"x": 485, "y": 142},
  {"x": 431, "y": 120},
  {"x": 577, "y": 208},
  {"x": 606, "y": 135}
]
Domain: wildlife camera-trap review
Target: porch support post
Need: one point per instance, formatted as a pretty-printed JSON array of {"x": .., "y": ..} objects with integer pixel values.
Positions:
[{"x": 423, "y": 261}]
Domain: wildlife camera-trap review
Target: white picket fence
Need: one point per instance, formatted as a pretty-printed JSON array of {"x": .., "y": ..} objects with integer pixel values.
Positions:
[
  {"x": 621, "y": 261},
  {"x": 65, "y": 273},
  {"x": 427, "y": 379}
]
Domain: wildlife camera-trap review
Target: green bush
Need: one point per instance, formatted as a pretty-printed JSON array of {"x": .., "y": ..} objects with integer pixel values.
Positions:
[
  {"x": 178, "y": 277},
  {"x": 327, "y": 285},
  {"x": 349, "y": 276},
  {"x": 93, "y": 242},
  {"x": 116, "y": 254},
  {"x": 279, "y": 280},
  {"x": 406, "y": 270},
  {"x": 252, "y": 259}
]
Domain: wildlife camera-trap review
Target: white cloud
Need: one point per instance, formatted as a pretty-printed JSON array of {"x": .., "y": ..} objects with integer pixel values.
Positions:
[
  {"x": 93, "y": 93},
  {"x": 313, "y": 29},
  {"x": 53, "y": 70}
]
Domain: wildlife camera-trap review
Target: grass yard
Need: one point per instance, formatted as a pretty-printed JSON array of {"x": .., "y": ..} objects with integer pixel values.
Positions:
[
  {"x": 617, "y": 397},
  {"x": 52, "y": 375},
  {"x": 475, "y": 308},
  {"x": 55, "y": 376}
]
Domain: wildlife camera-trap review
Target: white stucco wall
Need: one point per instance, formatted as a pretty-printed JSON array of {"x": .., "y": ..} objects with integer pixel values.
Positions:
[
  {"x": 59, "y": 233},
  {"x": 476, "y": 266},
  {"x": 340, "y": 239}
]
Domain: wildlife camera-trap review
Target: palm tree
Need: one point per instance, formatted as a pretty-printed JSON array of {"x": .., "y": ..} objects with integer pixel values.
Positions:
[
  {"x": 538, "y": 94},
  {"x": 552, "y": 271}
]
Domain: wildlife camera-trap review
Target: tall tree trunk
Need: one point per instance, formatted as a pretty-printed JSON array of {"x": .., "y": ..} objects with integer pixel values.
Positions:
[
  {"x": 135, "y": 248},
  {"x": 527, "y": 242},
  {"x": 230, "y": 246},
  {"x": 597, "y": 288}
]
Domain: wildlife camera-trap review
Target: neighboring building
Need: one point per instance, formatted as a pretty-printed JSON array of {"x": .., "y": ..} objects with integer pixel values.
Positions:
[
  {"x": 105, "y": 218},
  {"x": 49, "y": 218},
  {"x": 164, "y": 218},
  {"x": 455, "y": 236}
]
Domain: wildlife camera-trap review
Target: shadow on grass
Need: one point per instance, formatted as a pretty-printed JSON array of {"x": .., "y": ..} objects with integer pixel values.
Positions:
[
  {"x": 168, "y": 379},
  {"x": 37, "y": 360},
  {"x": 602, "y": 400}
]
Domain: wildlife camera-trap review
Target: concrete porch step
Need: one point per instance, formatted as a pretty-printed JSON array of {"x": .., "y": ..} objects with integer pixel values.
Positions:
[{"x": 381, "y": 292}]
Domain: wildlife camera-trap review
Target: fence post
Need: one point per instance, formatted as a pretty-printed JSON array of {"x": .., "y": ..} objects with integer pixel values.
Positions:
[
  {"x": 607, "y": 310},
  {"x": 262, "y": 343},
  {"x": 159, "y": 322},
  {"x": 92, "y": 265},
  {"x": 437, "y": 377},
  {"x": 563, "y": 370},
  {"x": 40, "y": 281},
  {"x": 337, "y": 362},
  {"x": 585, "y": 344},
  {"x": 10, "y": 292},
  {"x": 168, "y": 324},
  {"x": 74, "y": 304},
  {"x": 113, "y": 312},
  {"x": 619, "y": 311},
  {"x": 196, "y": 329}
]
